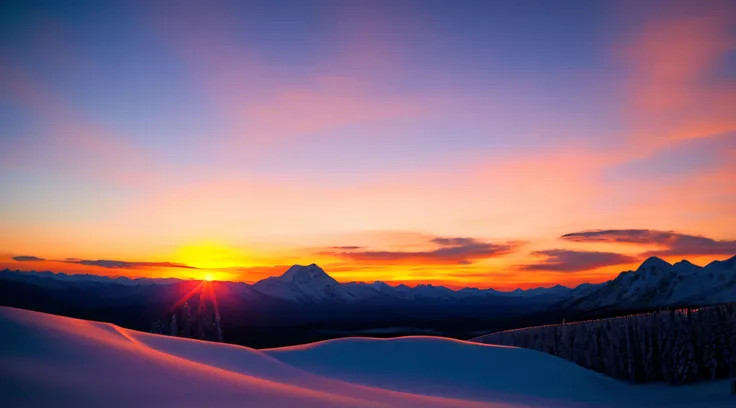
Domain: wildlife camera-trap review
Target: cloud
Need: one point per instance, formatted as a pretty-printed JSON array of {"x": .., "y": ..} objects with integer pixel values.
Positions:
[
  {"x": 253, "y": 101},
  {"x": 451, "y": 251},
  {"x": 346, "y": 247},
  {"x": 453, "y": 241},
  {"x": 672, "y": 243},
  {"x": 321, "y": 105},
  {"x": 27, "y": 258},
  {"x": 674, "y": 92},
  {"x": 69, "y": 139},
  {"x": 563, "y": 260},
  {"x": 107, "y": 263}
]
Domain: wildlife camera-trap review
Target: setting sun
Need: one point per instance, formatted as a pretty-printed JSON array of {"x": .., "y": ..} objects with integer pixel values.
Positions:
[
  {"x": 208, "y": 278},
  {"x": 209, "y": 255}
]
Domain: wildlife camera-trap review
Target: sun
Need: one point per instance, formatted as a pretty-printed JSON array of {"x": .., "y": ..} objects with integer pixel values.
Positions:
[
  {"x": 209, "y": 255},
  {"x": 208, "y": 278}
]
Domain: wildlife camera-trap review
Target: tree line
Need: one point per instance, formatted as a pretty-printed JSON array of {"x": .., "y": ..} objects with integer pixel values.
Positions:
[
  {"x": 202, "y": 325},
  {"x": 678, "y": 346}
]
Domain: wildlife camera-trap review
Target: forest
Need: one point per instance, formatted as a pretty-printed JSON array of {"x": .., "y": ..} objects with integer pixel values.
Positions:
[
  {"x": 678, "y": 346},
  {"x": 203, "y": 324}
]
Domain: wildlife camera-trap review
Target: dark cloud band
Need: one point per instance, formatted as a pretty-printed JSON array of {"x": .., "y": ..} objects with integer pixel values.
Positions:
[
  {"x": 107, "y": 263},
  {"x": 25, "y": 258},
  {"x": 672, "y": 243},
  {"x": 457, "y": 251},
  {"x": 563, "y": 260}
]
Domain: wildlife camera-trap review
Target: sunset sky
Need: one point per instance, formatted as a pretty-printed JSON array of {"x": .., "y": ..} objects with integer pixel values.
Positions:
[{"x": 467, "y": 143}]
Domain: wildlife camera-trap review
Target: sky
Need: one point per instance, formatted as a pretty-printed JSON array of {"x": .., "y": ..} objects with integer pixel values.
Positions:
[{"x": 465, "y": 143}]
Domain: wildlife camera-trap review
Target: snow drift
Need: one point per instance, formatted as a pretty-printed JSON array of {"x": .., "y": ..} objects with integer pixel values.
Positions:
[{"x": 48, "y": 360}]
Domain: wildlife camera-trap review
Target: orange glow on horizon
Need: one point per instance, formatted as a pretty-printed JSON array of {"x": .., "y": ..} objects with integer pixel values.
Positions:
[
  {"x": 209, "y": 255},
  {"x": 499, "y": 274}
]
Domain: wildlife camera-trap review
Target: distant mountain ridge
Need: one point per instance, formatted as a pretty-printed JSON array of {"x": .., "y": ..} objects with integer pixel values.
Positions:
[
  {"x": 309, "y": 283},
  {"x": 83, "y": 278},
  {"x": 655, "y": 283}
]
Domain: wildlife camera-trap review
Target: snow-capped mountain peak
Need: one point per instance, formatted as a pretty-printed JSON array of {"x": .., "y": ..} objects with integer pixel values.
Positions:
[
  {"x": 380, "y": 285},
  {"x": 304, "y": 283},
  {"x": 657, "y": 283},
  {"x": 652, "y": 264},
  {"x": 304, "y": 273}
]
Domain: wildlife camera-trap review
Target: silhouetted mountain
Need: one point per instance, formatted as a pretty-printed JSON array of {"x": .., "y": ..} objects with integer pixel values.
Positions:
[
  {"x": 657, "y": 283},
  {"x": 304, "y": 284}
]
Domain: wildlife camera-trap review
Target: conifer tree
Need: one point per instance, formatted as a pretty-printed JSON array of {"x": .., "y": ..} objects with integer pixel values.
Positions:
[
  {"x": 218, "y": 329},
  {"x": 622, "y": 350},
  {"x": 200, "y": 330},
  {"x": 649, "y": 340},
  {"x": 565, "y": 349},
  {"x": 157, "y": 327},
  {"x": 631, "y": 367},
  {"x": 711, "y": 342},
  {"x": 596, "y": 354},
  {"x": 186, "y": 317},
  {"x": 684, "y": 352},
  {"x": 667, "y": 340},
  {"x": 173, "y": 328},
  {"x": 610, "y": 358}
]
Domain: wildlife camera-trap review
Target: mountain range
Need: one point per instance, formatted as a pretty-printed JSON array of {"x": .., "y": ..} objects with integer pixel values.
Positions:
[
  {"x": 654, "y": 284},
  {"x": 657, "y": 283}
]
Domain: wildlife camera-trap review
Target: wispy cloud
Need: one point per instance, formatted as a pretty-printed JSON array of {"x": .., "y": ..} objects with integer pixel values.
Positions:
[
  {"x": 449, "y": 251},
  {"x": 254, "y": 101},
  {"x": 25, "y": 258},
  {"x": 563, "y": 260},
  {"x": 107, "y": 263},
  {"x": 674, "y": 94},
  {"x": 78, "y": 144},
  {"x": 672, "y": 243}
]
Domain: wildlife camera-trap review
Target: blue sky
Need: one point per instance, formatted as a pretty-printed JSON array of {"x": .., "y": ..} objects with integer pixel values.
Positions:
[{"x": 137, "y": 128}]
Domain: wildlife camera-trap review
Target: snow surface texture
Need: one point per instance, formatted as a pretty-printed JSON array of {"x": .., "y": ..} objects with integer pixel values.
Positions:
[{"x": 48, "y": 360}]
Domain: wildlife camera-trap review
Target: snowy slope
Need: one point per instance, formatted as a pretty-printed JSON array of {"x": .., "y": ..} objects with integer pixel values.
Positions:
[
  {"x": 437, "y": 366},
  {"x": 306, "y": 284},
  {"x": 48, "y": 360}
]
